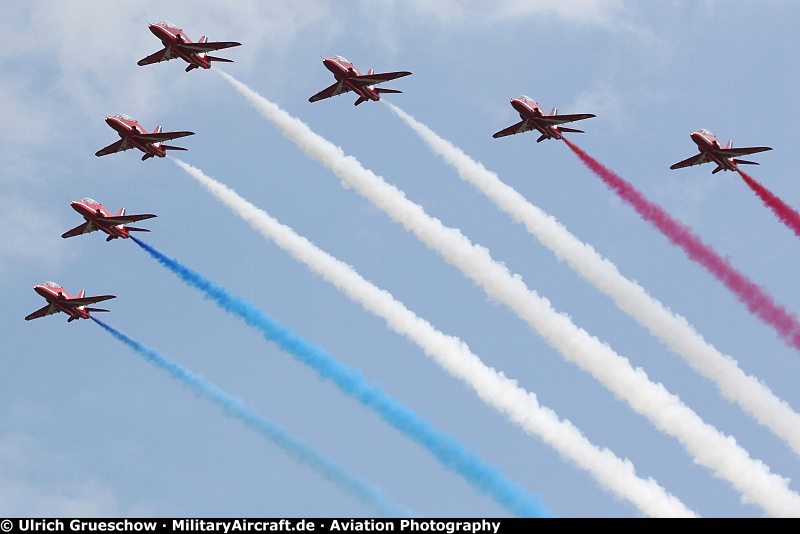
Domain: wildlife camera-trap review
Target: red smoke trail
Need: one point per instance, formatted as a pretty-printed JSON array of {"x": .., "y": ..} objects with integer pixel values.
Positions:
[
  {"x": 785, "y": 213},
  {"x": 754, "y": 297}
]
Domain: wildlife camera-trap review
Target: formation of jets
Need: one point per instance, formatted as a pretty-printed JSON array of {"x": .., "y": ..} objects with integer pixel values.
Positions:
[{"x": 178, "y": 45}]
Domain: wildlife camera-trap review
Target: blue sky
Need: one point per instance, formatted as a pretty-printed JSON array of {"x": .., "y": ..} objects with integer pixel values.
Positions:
[{"x": 89, "y": 428}]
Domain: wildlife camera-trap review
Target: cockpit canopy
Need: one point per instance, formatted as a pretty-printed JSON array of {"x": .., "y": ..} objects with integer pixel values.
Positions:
[
  {"x": 88, "y": 200},
  {"x": 343, "y": 60},
  {"x": 124, "y": 117},
  {"x": 168, "y": 25},
  {"x": 706, "y": 132},
  {"x": 525, "y": 98},
  {"x": 51, "y": 284}
]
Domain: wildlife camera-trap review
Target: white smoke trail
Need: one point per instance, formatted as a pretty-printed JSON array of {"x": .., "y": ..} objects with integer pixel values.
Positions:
[
  {"x": 707, "y": 445},
  {"x": 452, "y": 354},
  {"x": 736, "y": 386}
]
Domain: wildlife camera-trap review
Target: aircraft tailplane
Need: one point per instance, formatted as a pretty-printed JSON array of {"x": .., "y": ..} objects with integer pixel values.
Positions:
[
  {"x": 361, "y": 99},
  {"x": 191, "y": 67},
  {"x": 572, "y": 130},
  {"x": 134, "y": 229},
  {"x": 382, "y": 90},
  {"x": 221, "y": 59},
  {"x": 110, "y": 238},
  {"x": 719, "y": 168},
  {"x": 745, "y": 162},
  {"x": 542, "y": 138},
  {"x": 94, "y": 310}
]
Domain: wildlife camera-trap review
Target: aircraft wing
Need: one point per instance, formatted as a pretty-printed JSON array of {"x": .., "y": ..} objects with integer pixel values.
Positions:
[
  {"x": 196, "y": 48},
  {"x": 736, "y": 152},
  {"x": 84, "y": 228},
  {"x": 373, "y": 79},
  {"x": 125, "y": 219},
  {"x": 165, "y": 54},
  {"x": 161, "y": 136},
  {"x": 520, "y": 127},
  {"x": 336, "y": 89},
  {"x": 699, "y": 159},
  {"x": 48, "y": 309},
  {"x": 83, "y": 301},
  {"x": 562, "y": 119},
  {"x": 119, "y": 146}
]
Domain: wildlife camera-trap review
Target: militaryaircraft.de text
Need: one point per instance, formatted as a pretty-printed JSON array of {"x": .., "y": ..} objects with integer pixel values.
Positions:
[
  {"x": 58, "y": 300},
  {"x": 349, "y": 79},
  {"x": 99, "y": 218},
  {"x": 534, "y": 118},
  {"x": 135, "y": 136},
  {"x": 178, "y": 45},
  {"x": 711, "y": 150}
]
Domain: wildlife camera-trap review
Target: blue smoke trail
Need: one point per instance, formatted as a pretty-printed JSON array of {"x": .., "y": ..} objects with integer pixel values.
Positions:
[
  {"x": 295, "y": 447},
  {"x": 486, "y": 478}
]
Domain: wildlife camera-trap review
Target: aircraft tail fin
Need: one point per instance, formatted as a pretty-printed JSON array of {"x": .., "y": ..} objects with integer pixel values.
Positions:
[
  {"x": 157, "y": 130},
  {"x": 370, "y": 72},
  {"x": 555, "y": 110},
  {"x": 203, "y": 39},
  {"x": 382, "y": 90},
  {"x": 81, "y": 294},
  {"x": 719, "y": 168},
  {"x": 110, "y": 238},
  {"x": 360, "y": 100},
  {"x": 121, "y": 212},
  {"x": 542, "y": 138},
  {"x": 745, "y": 162},
  {"x": 730, "y": 144},
  {"x": 571, "y": 130},
  {"x": 70, "y": 319},
  {"x": 220, "y": 59},
  {"x": 146, "y": 156},
  {"x": 191, "y": 67}
]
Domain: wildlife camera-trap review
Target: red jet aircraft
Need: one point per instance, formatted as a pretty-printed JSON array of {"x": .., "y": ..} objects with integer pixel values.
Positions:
[
  {"x": 58, "y": 300},
  {"x": 534, "y": 118},
  {"x": 712, "y": 151},
  {"x": 349, "y": 79},
  {"x": 177, "y": 44},
  {"x": 135, "y": 136},
  {"x": 99, "y": 218}
]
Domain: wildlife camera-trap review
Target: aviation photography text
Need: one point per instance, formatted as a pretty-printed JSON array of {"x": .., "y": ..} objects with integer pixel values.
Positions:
[{"x": 226, "y": 526}]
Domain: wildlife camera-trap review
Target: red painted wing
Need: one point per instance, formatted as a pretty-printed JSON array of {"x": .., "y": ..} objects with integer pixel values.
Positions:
[
  {"x": 161, "y": 136},
  {"x": 520, "y": 127},
  {"x": 333, "y": 90},
  {"x": 119, "y": 146},
  {"x": 736, "y": 152},
  {"x": 165, "y": 54},
  {"x": 125, "y": 219},
  {"x": 195, "y": 48},
  {"x": 42, "y": 312},
  {"x": 84, "y": 228},
  {"x": 373, "y": 79},
  {"x": 83, "y": 301},
  {"x": 699, "y": 159},
  {"x": 562, "y": 119}
]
